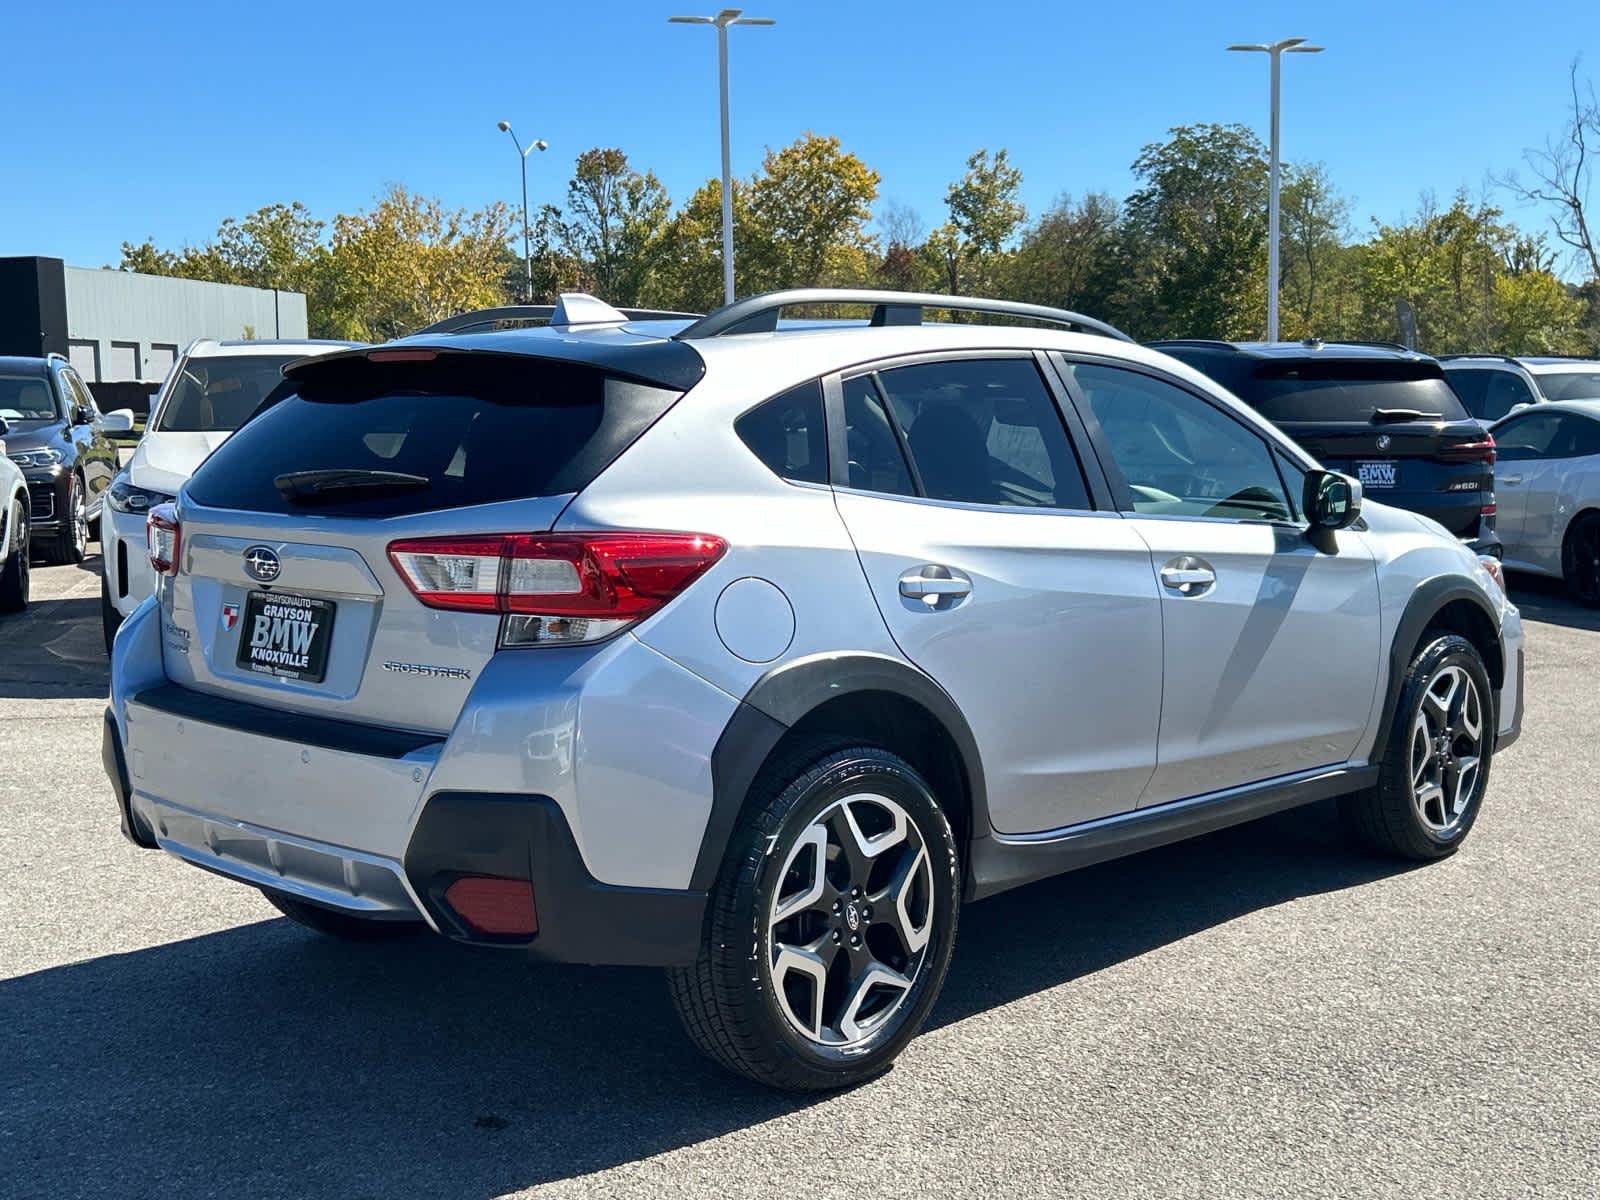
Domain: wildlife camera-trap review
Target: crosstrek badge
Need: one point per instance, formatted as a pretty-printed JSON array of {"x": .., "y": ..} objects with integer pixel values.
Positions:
[{"x": 230, "y": 615}]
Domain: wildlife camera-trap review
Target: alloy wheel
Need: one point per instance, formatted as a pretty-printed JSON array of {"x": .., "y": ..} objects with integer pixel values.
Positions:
[
  {"x": 850, "y": 921},
  {"x": 1446, "y": 752},
  {"x": 1586, "y": 561}
]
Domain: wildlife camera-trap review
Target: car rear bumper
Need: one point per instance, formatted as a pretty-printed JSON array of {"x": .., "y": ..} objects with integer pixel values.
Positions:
[
  {"x": 129, "y": 578},
  {"x": 1512, "y": 698},
  {"x": 378, "y": 823}
]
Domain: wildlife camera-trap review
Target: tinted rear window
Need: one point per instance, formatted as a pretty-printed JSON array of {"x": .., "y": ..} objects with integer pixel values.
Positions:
[
  {"x": 478, "y": 428},
  {"x": 1333, "y": 390}
]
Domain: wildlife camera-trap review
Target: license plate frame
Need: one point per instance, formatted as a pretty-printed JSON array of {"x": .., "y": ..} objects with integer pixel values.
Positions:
[
  {"x": 302, "y": 658},
  {"x": 1378, "y": 474}
]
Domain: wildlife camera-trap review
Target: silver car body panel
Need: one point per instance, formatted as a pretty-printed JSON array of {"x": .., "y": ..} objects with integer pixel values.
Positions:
[{"x": 1539, "y": 499}]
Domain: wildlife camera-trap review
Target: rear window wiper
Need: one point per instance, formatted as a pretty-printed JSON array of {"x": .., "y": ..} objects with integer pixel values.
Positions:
[
  {"x": 307, "y": 487},
  {"x": 1401, "y": 414}
]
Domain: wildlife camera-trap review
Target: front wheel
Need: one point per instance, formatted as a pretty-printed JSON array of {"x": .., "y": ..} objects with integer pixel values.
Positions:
[
  {"x": 14, "y": 571},
  {"x": 830, "y": 931},
  {"x": 1436, "y": 764},
  {"x": 72, "y": 543}
]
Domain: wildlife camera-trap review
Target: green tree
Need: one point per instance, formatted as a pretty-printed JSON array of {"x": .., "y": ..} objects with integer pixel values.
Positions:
[
  {"x": 1199, "y": 219},
  {"x": 985, "y": 215},
  {"x": 616, "y": 225},
  {"x": 1315, "y": 223},
  {"x": 1066, "y": 257},
  {"x": 809, "y": 206}
]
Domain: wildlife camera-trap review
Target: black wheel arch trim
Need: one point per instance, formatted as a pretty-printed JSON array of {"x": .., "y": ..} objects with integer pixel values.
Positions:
[
  {"x": 782, "y": 697},
  {"x": 1426, "y": 603}
]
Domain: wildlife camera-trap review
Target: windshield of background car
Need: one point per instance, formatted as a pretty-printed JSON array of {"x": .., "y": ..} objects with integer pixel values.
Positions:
[
  {"x": 1558, "y": 385},
  {"x": 215, "y": 395},
  {"x": 1349, "y": 390},
  {"x": 26, "y": 398}
]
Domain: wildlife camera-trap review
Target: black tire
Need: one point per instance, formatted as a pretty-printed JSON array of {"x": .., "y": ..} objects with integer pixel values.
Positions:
[
  {"x": 72, "y": 541},
  {"x": 340, "y": 925},
  {"x": 1389, "y": 818},
  {"x": 1580, "y": 560},
  {"x": 728, "y": 1000},
  {"x": 110, "y": 618},
  {"x": 14, "y": 571}
]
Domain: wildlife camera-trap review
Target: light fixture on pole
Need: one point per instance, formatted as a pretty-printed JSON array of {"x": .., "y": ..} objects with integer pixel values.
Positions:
[
  {"x": 527, "y": 251},
  {"x": 1275, "y": 50},
  {"x": 725, "y": 18}
]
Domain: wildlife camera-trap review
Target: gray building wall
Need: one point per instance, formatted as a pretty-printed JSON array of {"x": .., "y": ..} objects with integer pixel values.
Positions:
[{"x": 122, "y": 326}]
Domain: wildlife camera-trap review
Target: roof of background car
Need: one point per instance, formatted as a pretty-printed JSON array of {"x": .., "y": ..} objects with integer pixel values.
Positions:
[
  {"x": 1544, "y": 366},
  {"x": 1291, "y": 350},
  {"x": 19, "y": 364}
]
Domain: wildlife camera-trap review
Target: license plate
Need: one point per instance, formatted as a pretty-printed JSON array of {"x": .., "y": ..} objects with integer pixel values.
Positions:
[
  {"x": 286, "y": 636},
  {"x": 1376, "y": 474}
]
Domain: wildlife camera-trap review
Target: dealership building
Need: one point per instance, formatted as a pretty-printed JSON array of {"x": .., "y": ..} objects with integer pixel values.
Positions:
[{"x": 122, "y": 329}]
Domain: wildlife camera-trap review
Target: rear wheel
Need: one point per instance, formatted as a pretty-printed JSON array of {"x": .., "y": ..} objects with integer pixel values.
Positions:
[
  {"x": 1436, "y": 765},
  {"x": 1580, "y": 560},
  {"x": 344, "y": 926},
  {"x": 14, "y": 571},
  {"x": 72, "y": 543},
  {"x": 829, "y": 934}
]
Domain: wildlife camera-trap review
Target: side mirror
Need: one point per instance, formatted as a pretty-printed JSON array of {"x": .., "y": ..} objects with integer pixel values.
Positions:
[
  {"x": 119, "y": 421},
  {"x": 1332, "y": 500}
]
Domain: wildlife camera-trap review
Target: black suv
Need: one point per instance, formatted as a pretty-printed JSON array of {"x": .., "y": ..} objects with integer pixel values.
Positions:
[
  {"x": 1383, "y": 414},
  {"x": 58, "y": 438}
]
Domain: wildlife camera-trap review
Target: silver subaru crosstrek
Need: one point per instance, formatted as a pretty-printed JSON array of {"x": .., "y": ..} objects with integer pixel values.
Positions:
[{"x": 752, "y": 649}]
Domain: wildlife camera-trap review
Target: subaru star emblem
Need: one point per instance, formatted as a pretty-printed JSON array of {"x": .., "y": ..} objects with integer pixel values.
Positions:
[
  {"x": 261, "y": 563},
  {"x": 1383, "y": 441}
]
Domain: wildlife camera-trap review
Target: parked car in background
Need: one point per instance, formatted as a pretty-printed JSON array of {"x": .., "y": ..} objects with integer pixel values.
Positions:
[
  {"x": 1492, "y": 385},
  {"x": 1383, "y": 414},
  {"x": 59, "y": 439},
  {"x": 13, "y": 531},
  {"x": 752, "y": 650},
  {"x": 1548, "y": 481},
  {"x": 212, "y": 388}
]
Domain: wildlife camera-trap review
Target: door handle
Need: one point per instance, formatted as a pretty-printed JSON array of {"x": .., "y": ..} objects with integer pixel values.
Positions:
[
  {"x": 1509, "y": 479},
  {"x": 1188, "y": 575},
  {"x": 930, "y": 584}
]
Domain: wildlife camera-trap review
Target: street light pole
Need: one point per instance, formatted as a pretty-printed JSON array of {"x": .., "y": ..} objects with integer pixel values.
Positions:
[
  {"x": 725, "y": 18},
  {"x": 527, "y": 245},
  {"x": 1275, "y": 50}
]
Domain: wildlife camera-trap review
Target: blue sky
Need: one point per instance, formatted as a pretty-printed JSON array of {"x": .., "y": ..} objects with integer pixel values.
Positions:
[{"x": 158, "y": 119}]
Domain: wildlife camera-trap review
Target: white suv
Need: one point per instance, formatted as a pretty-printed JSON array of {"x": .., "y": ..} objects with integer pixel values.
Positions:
[
  {"x": 210, "y": 391},
  {"x": 1493, "y": 385},
  {"x": 751, "y": 649}
]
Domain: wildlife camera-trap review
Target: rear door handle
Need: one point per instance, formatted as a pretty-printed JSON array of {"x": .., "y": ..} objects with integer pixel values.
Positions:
[
  {"x": 1188, "y": 575},
  {"x": 932, "y": 583}
]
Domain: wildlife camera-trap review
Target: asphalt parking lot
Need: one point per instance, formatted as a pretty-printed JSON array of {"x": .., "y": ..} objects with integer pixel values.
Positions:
[{"x": 1263, "y": 1012}]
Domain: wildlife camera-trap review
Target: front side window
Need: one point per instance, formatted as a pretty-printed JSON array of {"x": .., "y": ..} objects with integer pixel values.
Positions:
[
  {"x": 1180, "y": 455},
  {"x": 788, "y": 434},
  {"x": 215, "y": 395},
  {"x": 1581, "y": 384},
  {"x": 985, "y": 432},
  {"x": 1503, "y": 392}
]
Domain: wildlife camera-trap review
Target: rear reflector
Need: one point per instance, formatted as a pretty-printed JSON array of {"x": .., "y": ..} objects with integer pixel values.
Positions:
[
  {"x": 496, "y": 907},
  {"x": 555, "y": 587},
  {"x": 162, "y": 538}
]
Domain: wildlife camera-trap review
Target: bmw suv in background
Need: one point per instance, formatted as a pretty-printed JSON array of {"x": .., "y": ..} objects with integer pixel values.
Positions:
[
  {"x": 59, "y": 439},
  {"x": 1493, "y": 385},
  {"x": 1383, "y": 414},
  {"x": 209, "y": 393},
  {"x": 751, "y": 650}
]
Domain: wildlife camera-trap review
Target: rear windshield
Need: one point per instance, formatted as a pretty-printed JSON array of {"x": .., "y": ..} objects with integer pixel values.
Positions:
[
  {"x": 1331, "y": 390},
  {"x": 217, "y": 395},
  {"x": 457, "y": 431},
  {"x": 1571, "y": 385}
]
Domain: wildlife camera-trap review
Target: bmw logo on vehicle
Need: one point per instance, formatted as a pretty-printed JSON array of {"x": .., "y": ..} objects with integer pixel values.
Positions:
[
  {"x": 261, "y": 563},
  {"x": 1383, "y": 441}
]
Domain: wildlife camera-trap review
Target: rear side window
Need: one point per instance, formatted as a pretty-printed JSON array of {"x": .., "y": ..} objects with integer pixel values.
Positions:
[
  {"x": 1469, "y": 387},
  {"x": 985, "y": 432},
  {"x": 460, "y": 430},
  {"x": 788, "y": 434},
  {"x": 1571, "y": 385},
  {"x": 876, "y": 460},
  {"x": 1349, "y": 390}
]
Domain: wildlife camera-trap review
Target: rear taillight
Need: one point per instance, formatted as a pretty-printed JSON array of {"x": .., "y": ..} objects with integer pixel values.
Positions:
[
  {"x": 1479, "y": 451},
  {"x": 162, "y": 538},
  {"x": 555, "y": 588}
]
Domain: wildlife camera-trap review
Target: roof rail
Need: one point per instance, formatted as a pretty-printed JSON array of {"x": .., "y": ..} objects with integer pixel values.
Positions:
[
  {"x": 1496, "y": 357},
  {"x": 57, "y": 355},
  {"x": 575, "y": 308},
  {"x": 1376, "y": 344},
  {"x": 759, "y": 314},
  {"x": 1216, "y": 342}
]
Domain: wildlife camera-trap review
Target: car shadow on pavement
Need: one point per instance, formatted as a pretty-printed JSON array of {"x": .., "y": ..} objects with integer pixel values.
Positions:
[
  {"x": 1543, "y": 599},
  {"x": 264, "y": 1060},
  {"x": 54, "y": 650}
]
